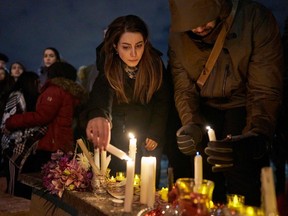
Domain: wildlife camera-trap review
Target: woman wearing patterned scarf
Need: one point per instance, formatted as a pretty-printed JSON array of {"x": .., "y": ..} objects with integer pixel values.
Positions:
[
  {"x": 19, "y": 144},
  {"x": 129, "y": 93}
]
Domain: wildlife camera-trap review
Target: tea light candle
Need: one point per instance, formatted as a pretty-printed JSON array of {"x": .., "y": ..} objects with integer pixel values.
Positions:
[
  {"x": 235, "y": 201},
  {"x": 129, "y": 187},
  {"x": 132, "y": 146},
  {"x": 211, "y": 134},
  {"x": 136, "y": 180},
  {"x": 164, "y": 194},
  {"x": 120, "y": 176},
  {"x": 198, "y": 169},
  {"x": 112, "y": 179},
  {"x": 117, "y": 202}
]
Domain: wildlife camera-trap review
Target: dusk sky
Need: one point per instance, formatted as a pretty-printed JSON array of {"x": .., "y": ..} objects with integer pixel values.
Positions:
[{"x": 76, "y": 27}]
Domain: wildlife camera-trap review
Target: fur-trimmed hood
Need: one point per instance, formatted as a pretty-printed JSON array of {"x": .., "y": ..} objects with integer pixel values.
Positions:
[{"x": 68, "y": 85}]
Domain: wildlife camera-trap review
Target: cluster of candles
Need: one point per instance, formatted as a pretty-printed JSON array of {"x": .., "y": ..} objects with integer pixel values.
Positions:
[
  {"x": 148, "y": 178},
  {"x": 237, "y": 201},
  {"x": 148, "y": 171},
  {"x": 148, "y": 174}
]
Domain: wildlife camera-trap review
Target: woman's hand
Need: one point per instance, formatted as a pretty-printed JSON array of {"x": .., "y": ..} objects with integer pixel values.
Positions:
[
  {"x": 98, "y": 131},
  {"x": 150, "y": 144}
]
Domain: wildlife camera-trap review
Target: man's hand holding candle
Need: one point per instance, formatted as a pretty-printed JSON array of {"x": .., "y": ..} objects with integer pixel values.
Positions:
[{"x": 224, "y": 154}]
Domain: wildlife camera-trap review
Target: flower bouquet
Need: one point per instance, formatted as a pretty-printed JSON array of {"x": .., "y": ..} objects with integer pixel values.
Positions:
[{"x": 66, "y": 171}]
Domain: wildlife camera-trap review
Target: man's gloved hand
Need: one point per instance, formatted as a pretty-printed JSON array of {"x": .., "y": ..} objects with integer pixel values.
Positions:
[
  {"x": 188, "y": 136},
  {"x": 223, "y": 153}
]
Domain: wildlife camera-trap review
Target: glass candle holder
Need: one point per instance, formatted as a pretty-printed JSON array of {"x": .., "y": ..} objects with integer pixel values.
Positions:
[
  {"x": 194, "y": 199},
  {"x": 99, "y": 184}
]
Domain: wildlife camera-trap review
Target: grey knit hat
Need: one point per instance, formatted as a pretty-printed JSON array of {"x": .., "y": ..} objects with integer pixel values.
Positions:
[{"x": 189, "y": 14}]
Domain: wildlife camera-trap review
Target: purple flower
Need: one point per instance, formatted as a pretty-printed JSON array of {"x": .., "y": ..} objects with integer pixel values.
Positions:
[{"x": 63, "y": 172}]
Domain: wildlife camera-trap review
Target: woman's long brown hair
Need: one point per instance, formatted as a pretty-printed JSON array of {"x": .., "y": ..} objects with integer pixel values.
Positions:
[{"x": 149, "y": 75}]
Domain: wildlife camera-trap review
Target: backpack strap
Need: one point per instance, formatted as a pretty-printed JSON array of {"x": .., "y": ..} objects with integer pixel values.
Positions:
[{"x": 217, "y": 46}]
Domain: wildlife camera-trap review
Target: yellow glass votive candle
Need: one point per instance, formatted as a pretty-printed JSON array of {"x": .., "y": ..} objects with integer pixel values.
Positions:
[
  {"x": 252, "y": 211},
  {"x": 112, "y": 179},
  {"x": 136, "y": 180},
  {"x": 120, "y": 176},
  {"x": 235, "y": 201},
  {"x": 164, "y": 194}
]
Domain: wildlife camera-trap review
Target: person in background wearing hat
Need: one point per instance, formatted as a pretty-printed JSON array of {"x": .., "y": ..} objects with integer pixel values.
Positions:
[
  {"x": 55, "y": 109},
  {"x": 241, "y": 96}
]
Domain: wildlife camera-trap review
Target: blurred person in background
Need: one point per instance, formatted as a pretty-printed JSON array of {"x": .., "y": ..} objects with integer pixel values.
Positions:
[
  {"x": 3, "y": 74},
  {"x": 16, "y": 69},
  {"x": 55, "y": 109},
  {"x": 17, "y": 146},
  {"x": 50, "y": 56},
  {"x": 3, "y": 60}
]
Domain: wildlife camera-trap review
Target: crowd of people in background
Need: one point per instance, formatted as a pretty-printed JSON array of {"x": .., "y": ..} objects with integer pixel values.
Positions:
[{"x": 41, "y": 112}]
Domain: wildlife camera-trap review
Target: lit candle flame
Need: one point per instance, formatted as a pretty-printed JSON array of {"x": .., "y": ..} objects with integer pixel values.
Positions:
[{"x": 131, "y": 135}]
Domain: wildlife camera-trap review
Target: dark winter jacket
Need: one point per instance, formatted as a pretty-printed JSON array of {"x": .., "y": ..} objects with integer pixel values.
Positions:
[
  {"x": 55, "y": 108},
  {"x": 144, "y": 120},
  {"x": 247, "y": 73}
]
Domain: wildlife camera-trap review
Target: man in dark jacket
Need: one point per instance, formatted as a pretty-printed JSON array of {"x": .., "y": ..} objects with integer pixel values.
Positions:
[{"x": 241, "y": 97}]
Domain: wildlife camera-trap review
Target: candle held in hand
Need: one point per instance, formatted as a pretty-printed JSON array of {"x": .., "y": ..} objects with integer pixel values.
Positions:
[
  {"x": 211, "y": 134},
  {"x": 117, "y": 152}
]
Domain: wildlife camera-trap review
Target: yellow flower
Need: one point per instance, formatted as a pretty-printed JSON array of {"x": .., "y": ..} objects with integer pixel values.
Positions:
[
  {"x": 66, "y": 172},
  {"x": 71, "y": 187}
]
